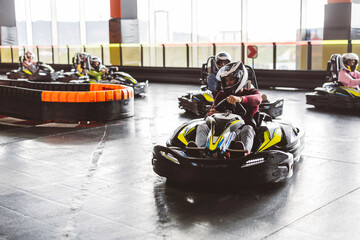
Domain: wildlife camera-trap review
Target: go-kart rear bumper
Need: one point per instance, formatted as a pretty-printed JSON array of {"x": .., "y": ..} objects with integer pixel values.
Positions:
[
  {"x": 274, "y": 109},
  {"x": 266, "y": 167}
]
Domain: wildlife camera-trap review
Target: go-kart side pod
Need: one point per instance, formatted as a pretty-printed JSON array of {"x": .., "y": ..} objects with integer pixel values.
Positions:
[
  {"x": 257, "y": 168},
  {"x": 18, "y": 74}
]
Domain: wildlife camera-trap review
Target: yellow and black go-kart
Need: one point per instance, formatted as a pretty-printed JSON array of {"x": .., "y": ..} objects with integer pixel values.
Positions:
[
  {"x": 277, "y": 147},
  {"x": 332, "y": 94},
  {"x": 118, "y": 77},
  {"x": 199, "y": 102},
  {"x": 41, "y": 73},
  {"x": 335, "y": 96}
]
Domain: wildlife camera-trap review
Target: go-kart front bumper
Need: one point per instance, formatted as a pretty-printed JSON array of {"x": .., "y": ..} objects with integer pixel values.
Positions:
[
  {"x": 197, "y": 108},
  {"x": 141, "y": 87},
  {"x": 266, "y": 167},
  {"x": 15, "y": 74}
]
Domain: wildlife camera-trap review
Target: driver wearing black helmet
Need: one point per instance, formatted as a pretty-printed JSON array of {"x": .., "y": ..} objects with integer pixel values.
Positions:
[{"x": 233, "y": 77}]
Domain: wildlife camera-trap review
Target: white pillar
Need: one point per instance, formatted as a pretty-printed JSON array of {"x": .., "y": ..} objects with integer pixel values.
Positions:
[
  {"x": 29, "y": 36},
  {"x": 54, "y": 30},
  {"x": 151, "y": 26},
  {"x": 82, "y": 22}
]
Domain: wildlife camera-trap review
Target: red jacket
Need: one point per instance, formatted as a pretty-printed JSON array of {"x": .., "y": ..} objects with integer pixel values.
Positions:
[{"x": 251, "y": 101}]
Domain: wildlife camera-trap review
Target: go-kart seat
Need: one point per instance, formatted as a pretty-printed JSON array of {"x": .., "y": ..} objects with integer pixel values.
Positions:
[
  {"x": 251, "y": 78},
  {"x": 259, "y": 117},
  {"x": 333, "y": 68}
]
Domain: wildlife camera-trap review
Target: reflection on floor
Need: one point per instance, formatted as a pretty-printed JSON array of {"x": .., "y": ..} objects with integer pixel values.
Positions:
[{"x": 95, "y": 181}]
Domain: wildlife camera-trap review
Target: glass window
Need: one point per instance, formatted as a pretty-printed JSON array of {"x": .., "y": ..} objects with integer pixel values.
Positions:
[
  {"x": 143, "y": 17},
  {"x": 68, "y": 22},
  {"x": 20, "y": 15},
  {"x": 41, "y": 22},
  {"x": 171, "y": 20},
  {"x": 314, "y": 19},
  {"x": 315, "y": 11},
  {"x": 67, "y": 10},
  {"x": 97, "y": 32},
  {"x": 97, "y": 10},
  {"x": 272, "y": 21},
  {"x": 42, "y": 33},
  {"x": 97, "y": 15},
  {"x": 40, "y": 10},
  {"x": 218, "y": 22},
  {"x": 68, "y": 33}
]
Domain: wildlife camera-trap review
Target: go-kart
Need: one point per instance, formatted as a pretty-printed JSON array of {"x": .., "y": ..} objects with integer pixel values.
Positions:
[
  {"x": 333, "y": 94},
  {"x": 80, "y": 68},
  {"x": 123, "y": 78},
  {"x": 20, "y": 73},
  {"x": 277, "y": 146},
  {"x": 199, "y": 102},
  {"x": 43, "y": 73},
  {"x": 116, "y": 77},
  {"x": 83, "y": 72}
]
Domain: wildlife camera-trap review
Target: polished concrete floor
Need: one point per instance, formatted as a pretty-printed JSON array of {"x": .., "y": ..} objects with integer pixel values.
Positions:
[{"x": 95, "y": 181}]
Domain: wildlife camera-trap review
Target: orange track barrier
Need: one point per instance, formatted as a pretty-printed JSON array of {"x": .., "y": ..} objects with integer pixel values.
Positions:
[{"x": 97, "y": 93}]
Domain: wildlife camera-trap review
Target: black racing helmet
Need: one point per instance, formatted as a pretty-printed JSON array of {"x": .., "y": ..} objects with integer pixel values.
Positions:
[
  {"x": 236, "y": 70},
  {"x": 221, "y": 59},
  {"x": 344, "y": 61}
]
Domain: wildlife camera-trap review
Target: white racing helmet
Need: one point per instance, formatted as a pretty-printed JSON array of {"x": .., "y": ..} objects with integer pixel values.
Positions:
[
  {"x": 94, "y": 60},
  {"x": 29, "y": 55},
  {"x": 222, "y": 57},
  {"x": 236, "y": 70},
  {"x": 344, "y": 61}
]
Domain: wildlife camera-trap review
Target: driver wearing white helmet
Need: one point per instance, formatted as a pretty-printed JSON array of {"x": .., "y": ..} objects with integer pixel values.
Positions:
[
  {"x": 221, "y": 59},
  {"x": 348, "y": 75},
  {"x": 29, "y": 61}
]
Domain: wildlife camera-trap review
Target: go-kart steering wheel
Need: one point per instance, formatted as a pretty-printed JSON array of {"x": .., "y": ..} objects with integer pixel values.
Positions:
[{"x": 224, "y": 105}]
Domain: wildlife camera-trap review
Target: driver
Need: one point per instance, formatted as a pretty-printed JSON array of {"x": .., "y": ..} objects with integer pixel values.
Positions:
[
  {"x": 82, "y": 62},
  {"x": 221, "y": 59},
  {"x": 28, "y": 61},
  {"x": 98, "y": 70},
  {"x": 348, "y": 75},
  {"x": 233, "y": 77}
]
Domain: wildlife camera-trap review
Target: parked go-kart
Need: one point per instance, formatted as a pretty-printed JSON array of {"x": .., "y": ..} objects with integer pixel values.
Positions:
[
  {"x": 277, "y": 146},
  {"x": 333, "y": 94},
  {"x": 43, "y": 73},
  {"x": 199, "y": 102}
]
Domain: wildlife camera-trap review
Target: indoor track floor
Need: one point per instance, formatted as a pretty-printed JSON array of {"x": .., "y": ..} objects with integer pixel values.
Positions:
[{"x": 95, "y": 181}]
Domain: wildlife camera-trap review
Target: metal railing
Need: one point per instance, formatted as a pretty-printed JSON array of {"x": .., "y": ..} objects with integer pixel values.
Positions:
[{"x": 300, "y": 55}]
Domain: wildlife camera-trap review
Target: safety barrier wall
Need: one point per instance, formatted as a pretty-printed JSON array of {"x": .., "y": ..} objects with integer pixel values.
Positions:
[
  {"x": 267, "y": 78},
  {"x": 65, "y": 101},
  {"x": 301, "y": 55}
]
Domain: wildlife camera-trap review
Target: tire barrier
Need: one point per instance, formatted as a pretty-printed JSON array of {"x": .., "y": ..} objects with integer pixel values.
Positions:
[{"x": 65, "y": 101}]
